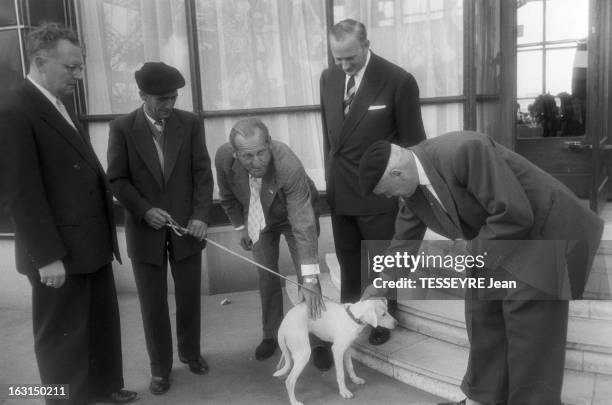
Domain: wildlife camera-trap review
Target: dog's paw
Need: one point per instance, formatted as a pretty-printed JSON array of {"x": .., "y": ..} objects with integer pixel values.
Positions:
[
  {"x": 358, "y": 380},
  {"x": 345, "y": 393}
]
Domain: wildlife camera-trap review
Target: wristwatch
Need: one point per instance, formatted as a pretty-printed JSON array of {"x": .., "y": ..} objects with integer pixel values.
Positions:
[{"x": 311, "y": 279}]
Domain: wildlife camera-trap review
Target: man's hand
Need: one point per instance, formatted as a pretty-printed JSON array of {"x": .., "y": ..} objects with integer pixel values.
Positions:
[
  {"x": 245, "y": 239},
  {"x": 156, "y": 218},
  {"x": 197, "y": 229},
  {"x": 313, "y": 298},
  {"x": 53, "y": 274}
]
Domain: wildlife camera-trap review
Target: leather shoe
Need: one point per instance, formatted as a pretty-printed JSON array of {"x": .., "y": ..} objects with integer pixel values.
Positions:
[
  {"x": 462, "y": 402},
  {"x": 379, "y": 335},
  {"x": 322, "y": 357},
  {"x": 159, "y": 385},
  {"x": 197, "y": 366},
  {"x": 266, "y": 348},
  {"x": 118, "y": 397}
]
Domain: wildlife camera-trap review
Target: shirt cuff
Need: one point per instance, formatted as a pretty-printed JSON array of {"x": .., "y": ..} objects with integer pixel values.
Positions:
[
  {"x": 310, "y": 269},
  {"x": 239, "y": 228}
]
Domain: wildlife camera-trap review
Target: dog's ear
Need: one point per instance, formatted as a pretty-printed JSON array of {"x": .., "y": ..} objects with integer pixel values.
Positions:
[{"x": 369, "y": 316}]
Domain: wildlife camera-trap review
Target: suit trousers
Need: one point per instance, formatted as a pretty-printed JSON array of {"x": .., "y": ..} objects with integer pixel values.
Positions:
[
  {"x": 348, "y": 232},
  {"x": 77, "y": 335},
  {"x": 266, "y": 252},
  {"x": 517, "y": 348},
  {"x": 152, "y": 285}
]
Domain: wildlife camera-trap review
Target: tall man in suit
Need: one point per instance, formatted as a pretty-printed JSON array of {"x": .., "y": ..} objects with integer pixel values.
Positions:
[
  {"x": 534, "y": 231},
  {"x": 159, "y": 170},
  {"x": 61, "y": 206},
  {"x": 364, "y": 98},
  {"x": 266, "y": 193}
]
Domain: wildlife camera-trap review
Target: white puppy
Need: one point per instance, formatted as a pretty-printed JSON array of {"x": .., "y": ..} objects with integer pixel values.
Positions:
[{"x": 339, "y": 324}]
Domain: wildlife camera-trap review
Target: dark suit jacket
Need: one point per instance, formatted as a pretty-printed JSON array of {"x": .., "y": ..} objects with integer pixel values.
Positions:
[
  {"x": 494, "y": 194},
  {"x": 184, "y": 191},
  {"x": 55, "y": 187},
  {"x": 396, "y": 117},
  {"x": 288, "y": 195}
]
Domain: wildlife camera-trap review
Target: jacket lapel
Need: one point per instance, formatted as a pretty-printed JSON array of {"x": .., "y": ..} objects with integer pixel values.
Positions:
[
  {"x": 269, "y": 188},
  {"x": 336, "y": 108},
  {"x": 49, "y": 114},
  {"x": 174, "y": 132},
  {"x": 439, "y": 185},
  {"x": 143, "y": 140},
  {"x": 240, "y": 178},
  {"x": 370, "y": 86}
]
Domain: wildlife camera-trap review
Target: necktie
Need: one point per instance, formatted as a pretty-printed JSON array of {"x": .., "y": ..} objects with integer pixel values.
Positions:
[
  {"x": 350, "y": 94},
  {"x": 62, "y": 109},
  {"x": 438, "y": 209},
  {"x": 256, "y": 220}
]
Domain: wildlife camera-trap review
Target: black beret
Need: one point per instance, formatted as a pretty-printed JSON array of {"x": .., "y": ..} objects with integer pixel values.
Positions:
[
  {"x": 372, "y": 165},
  {"x": 158, "y": 78}
]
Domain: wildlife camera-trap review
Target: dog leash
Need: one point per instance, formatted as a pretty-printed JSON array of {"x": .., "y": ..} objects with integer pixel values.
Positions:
[{"x": 181, "y": 231}]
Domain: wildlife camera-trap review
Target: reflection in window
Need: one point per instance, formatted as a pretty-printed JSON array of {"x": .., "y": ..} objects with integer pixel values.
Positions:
[
  {"x": 261, "y": 54},
  {"x": 10, "y": 61},
  {"x": 551, "y": 62},
  {"x": 120, "y": 35}
]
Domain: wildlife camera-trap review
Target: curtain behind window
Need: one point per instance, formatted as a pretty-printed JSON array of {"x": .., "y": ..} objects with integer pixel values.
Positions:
[
  {"x": 120, "y": 35},
  {"x": 261, "y": 54}
]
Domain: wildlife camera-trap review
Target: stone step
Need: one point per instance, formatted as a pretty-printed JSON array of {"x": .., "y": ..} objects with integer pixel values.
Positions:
[{"x": 437, "y": 366}]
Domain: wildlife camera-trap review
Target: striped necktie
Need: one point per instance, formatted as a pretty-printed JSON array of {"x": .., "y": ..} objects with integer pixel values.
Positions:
[
  {"x": 350, "y": 94},
  {"x": 256, "y": 220}
]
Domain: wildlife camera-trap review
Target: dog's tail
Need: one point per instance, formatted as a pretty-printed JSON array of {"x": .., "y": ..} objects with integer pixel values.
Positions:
[{"x": 285, "y": 359}]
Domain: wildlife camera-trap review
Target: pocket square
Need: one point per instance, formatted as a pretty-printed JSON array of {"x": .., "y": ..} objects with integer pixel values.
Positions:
[{"x": 376, "y": 107}]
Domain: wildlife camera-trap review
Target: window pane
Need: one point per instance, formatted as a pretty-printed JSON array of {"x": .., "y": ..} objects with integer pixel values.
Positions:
[
  {"x": 7, "y": 13},
  {"x": 425, "y": 38},
  {"x": 529, "y": 74},
  {"x": 301, "y": 131},
  {"x": 120, "y": 35},
  {"x": 439, "y": 119},
  {"x": 529, "y": 22},
  {"x": 559, "y": 67},
  {"x": 46, "y": 11},
  {"x": 10, "y": 61},
  {"x": 265, "y": 53},
  {"x": 567, "y": 19}
]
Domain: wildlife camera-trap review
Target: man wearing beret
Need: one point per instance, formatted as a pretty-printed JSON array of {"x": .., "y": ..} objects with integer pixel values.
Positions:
[
  {"x": 364, "y": 98},
  {"x": 159, "y": 170},
  {"x": 467, "y": 187}
]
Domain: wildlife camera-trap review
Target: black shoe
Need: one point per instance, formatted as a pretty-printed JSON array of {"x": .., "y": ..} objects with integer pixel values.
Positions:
[
  {"x": 462, "y": 402},
  {"x": 197, "y": 366},
  {"x": 379, "y": 335},
  {"x": 159, "y": 385},
  {"x": 119, "y": 397},
  {"x": 266, "y": 348},
  {"x": 322, "y": 357}
]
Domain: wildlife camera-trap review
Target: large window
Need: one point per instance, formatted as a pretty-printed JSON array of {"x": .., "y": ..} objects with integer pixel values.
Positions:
[{"x": 244, "y": 57}]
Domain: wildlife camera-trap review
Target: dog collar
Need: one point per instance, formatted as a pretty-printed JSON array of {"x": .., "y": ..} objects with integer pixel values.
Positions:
[{"x": 350, "y": 314}]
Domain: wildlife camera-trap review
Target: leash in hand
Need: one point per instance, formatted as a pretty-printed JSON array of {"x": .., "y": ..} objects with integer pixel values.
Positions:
[{"x": 181, "y": 231}]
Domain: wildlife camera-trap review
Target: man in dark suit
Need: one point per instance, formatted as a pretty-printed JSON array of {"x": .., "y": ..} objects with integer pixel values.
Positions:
[
  {"x": 159, "y": 170},
  {"x": 364, "y": 98},
  {"x": 266, "y": 193},
  {"x": 534, "y": 231},
  {"x": 61, "y": 206}
]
